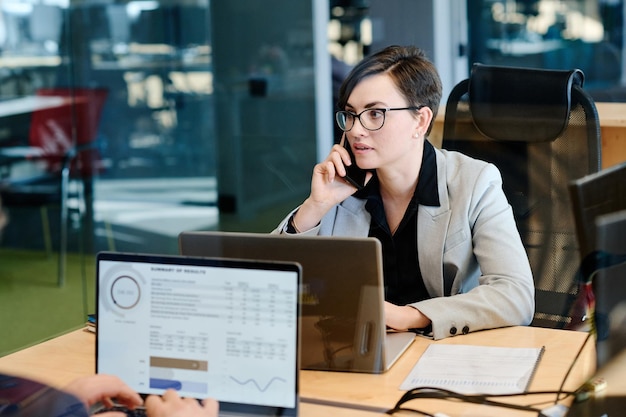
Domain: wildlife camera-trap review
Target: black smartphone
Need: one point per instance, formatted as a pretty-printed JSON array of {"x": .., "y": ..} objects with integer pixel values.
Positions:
[{"x": 354, "y": 174}]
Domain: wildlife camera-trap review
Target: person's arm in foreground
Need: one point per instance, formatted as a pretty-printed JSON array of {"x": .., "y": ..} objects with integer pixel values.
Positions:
[{"x": 103, "y": 388}]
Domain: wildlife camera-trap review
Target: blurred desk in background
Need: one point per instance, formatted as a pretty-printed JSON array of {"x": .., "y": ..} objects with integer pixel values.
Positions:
[
  {"x": 613, "y": 127},
  {"x": 19, "y": 61},
  {"x": 29, "y": 104}
]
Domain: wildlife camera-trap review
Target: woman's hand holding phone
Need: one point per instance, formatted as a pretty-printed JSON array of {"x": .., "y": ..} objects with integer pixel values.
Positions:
[
  {"x": 354, "y": 175},
  {"x": 328, "y": 187}
]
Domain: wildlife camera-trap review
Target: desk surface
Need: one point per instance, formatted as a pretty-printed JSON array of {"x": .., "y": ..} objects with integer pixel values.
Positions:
[
  {"x": 612, "y": 114},
  {"x": 64, "y": 358},
  {"x": 611, "y": 401}
]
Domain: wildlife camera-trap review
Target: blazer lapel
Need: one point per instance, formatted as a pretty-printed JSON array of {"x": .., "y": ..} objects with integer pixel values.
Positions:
[
  {"x": 432, "y": 229},
  {"x": 432, "y": 223}
]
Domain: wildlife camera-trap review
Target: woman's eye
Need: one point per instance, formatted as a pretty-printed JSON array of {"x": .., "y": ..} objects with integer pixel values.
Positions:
[{"x": 375, "y": 114}]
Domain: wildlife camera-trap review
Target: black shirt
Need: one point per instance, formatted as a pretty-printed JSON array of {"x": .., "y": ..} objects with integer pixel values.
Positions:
[{"x": 403, "y": 278}]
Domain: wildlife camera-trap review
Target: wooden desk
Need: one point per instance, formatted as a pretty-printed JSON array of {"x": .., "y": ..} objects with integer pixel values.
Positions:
[
  {"x": 612, "y": 128},
  {"x": 614, "y": 372},
  {"x": 62, "y": 359},
  {"x": 611, "y": 401},
  {"x": 382, "y": 390},
  {"x": 59, "y": 361}
]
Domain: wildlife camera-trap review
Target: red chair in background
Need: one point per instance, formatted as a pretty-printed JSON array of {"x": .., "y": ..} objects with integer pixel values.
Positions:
[{"x": 64, "y": 157}]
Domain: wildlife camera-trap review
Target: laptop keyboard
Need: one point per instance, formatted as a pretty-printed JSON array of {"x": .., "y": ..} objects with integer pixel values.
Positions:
[{"x": 138, "y": 412}]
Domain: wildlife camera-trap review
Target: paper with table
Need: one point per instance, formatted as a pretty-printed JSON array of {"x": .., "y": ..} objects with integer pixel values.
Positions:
[{"x": 469, "y": 369}]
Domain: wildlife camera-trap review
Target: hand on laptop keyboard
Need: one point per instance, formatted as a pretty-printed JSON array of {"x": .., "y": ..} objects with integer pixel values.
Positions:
[
  {"x": 138, "y": 412},
  {"x": 170, "y": 404},
  {"x": 96, "y": 392}
]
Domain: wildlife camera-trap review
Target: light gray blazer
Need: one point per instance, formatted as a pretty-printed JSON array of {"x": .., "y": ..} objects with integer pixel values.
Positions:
[{"x": 468, "y": 247}]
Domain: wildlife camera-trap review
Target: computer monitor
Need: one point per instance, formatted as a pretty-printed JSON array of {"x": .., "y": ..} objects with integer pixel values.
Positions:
[
  {"x": 593, "y": 195},
  {"x": 179, "y": 26},
  {"x": 45, "y": 24},
  {"x": 156, "y": 26},
  {"x": 609, "y": 284},
  {"x": 119, "y": 23}
]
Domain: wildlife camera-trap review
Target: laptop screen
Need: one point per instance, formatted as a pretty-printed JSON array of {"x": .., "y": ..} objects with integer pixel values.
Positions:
[
  {"x": 343, "y": 324},
  {"x": 224, "y": 329}
]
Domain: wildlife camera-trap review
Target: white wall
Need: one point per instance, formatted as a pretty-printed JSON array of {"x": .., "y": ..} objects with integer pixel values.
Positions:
[{"x": 450, "y": 36}]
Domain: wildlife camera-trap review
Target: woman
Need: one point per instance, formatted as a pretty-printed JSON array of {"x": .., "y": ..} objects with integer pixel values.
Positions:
[{"x": 453, "y": 258}]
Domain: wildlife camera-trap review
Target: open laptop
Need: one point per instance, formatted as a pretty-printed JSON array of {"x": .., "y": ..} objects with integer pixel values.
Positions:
[
  {"x": 343, "y": 324},
  {"x": 224, "y": 329}
]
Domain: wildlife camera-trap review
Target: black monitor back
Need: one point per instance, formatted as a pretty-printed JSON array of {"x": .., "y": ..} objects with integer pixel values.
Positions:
[
  {"x": 609, "y": 285},
  {"x": 594, "y": 195}
]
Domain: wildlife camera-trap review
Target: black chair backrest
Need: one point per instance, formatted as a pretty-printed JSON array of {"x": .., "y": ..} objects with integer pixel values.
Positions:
[
  {"x": 516, "y": 104},
  {"x": 541, "y": 129}
]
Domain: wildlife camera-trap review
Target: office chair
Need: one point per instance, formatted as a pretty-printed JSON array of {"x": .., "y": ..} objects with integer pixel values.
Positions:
[
  {"x": 62, "y": 152},
  {"x": 541, "y": 129}
]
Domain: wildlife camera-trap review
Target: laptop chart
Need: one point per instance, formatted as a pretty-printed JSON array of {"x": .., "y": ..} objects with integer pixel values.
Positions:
[{"x": 204, "y": 330}]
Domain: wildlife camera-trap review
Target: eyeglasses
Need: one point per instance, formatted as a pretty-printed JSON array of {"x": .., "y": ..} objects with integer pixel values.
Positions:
[{"x": 371, "y": 119}]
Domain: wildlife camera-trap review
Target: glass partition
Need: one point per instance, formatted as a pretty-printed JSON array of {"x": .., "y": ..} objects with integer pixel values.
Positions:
[
  {"x": 157, "y": 129},
  {"x": 265, "y": 103},
  {"x": 559, "y": 34},
  {"x": 132, "y": 93}
]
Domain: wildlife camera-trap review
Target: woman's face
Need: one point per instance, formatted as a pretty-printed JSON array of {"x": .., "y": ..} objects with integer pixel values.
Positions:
[{"x": 395, "y": 141}]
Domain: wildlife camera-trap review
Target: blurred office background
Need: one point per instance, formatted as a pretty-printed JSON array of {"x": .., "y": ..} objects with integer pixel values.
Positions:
[{"x": 215, "y": 111}]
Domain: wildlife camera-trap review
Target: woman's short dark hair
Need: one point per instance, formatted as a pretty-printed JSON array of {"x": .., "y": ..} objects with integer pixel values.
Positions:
[{"x": 413, "y": 73}]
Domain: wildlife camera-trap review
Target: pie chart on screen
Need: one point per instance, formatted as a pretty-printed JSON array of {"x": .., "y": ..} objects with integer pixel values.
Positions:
[{"x": 125, "y": 292}]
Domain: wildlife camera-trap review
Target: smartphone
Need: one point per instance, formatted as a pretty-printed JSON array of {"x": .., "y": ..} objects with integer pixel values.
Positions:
[{"x": 354, "y": 174}]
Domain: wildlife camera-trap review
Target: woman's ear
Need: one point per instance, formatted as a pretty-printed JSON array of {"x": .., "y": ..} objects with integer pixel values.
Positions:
[{"x": 425, "y": 117}]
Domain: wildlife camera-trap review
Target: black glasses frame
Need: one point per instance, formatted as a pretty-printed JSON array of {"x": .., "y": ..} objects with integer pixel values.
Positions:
[{"x": 384, "y": 110}]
